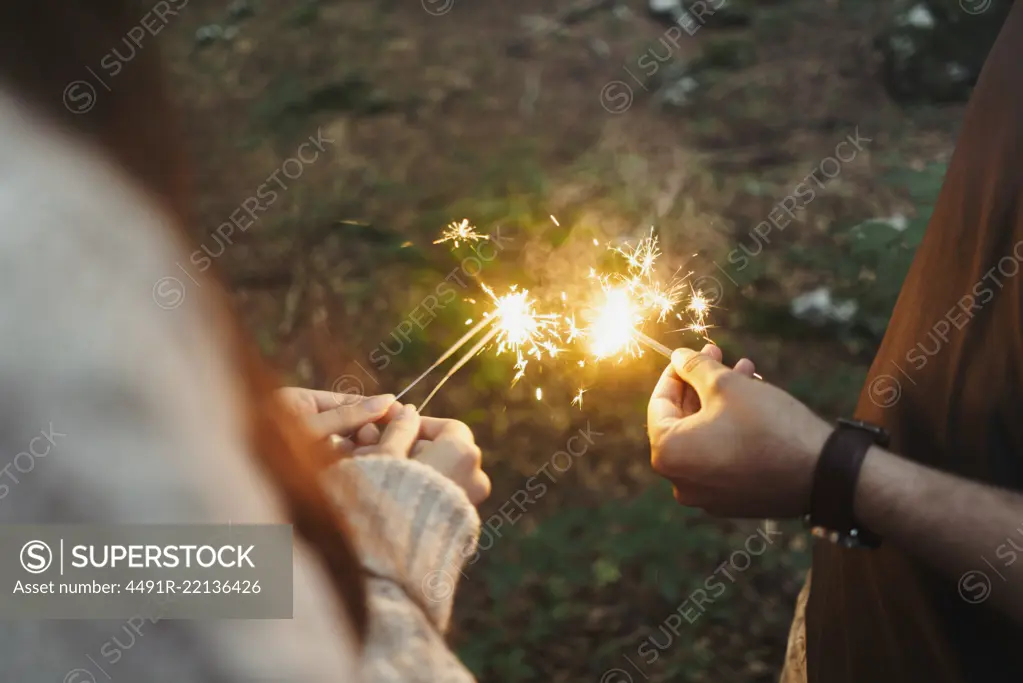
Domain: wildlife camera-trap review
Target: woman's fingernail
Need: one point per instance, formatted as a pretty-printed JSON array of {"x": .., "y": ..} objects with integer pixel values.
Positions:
[{"x": 378, "y": 403}]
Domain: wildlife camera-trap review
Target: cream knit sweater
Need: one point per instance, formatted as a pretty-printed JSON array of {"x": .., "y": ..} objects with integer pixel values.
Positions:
[{"x": 146, "y": 424}]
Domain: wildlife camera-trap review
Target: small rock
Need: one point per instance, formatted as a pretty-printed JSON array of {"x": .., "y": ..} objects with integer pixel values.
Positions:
[
  {"x": 537, "y": 24},
  {"x": 897, "y": 222},
  {"x": 208, "y": 34},
  {"x": 730, "y": 14},
  {"x": 677, "y": 93},
  {"x": 902, "y": 46},
  {"x": 665, "y": 11},
  {"x": 230, "y": 33},
  {"x": 621, "y": 12},
  {"x": 957, "y": 72},
  {"x": 600, "y": 47},
  {"x": 664, "y": 6},
  {"x": 919, "y": 16},
  {"x": 818, "y": 308}
]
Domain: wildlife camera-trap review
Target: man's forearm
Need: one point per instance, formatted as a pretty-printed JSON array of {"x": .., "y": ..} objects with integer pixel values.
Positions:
[{"x": 959, "y": 527}]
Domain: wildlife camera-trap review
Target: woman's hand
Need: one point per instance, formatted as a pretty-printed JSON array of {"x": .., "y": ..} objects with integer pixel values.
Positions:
[
  {"x": 450, "y": 448},
  {"x": 349, "y": 421},
  {"x": 446, "y": 445},
  {"x": 730, "y": 444}
]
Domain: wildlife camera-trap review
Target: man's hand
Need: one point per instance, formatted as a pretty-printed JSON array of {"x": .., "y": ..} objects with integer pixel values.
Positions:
[
  {"x": 738, "y": 447},
  {"x": 730, "y": 444}
]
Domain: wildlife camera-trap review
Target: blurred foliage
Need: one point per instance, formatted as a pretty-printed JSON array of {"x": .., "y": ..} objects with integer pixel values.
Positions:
[
  {"x": 869, "y": 261},
  {"x": 545, "y": 580}
]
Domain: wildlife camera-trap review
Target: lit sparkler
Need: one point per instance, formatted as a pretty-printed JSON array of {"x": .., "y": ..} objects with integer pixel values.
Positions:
[
  {"x": 631, "y": 299},
  {"x": 516, "y": 327},
  {"x": 523, "y": 330},
  {"x": 612, "y": 331},
  {"x": 461, "y": 231}
]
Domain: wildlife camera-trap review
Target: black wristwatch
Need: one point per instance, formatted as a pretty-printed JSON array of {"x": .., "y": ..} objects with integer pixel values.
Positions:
[{"x": 834, "y": 484}]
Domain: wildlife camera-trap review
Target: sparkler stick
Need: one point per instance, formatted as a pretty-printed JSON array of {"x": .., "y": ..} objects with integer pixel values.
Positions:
[
  {"x": 660, "y": 348},
  {"x": 447, "y": 354},
  {"x": 461, "y": 361},
  {"x": 652, "y": 344}
]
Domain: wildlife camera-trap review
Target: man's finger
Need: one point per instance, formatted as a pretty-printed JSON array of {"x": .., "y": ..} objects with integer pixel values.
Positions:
[
  {"x": 699, "y": 370},
  {"x": 745, "y": 367},
  {"x": 714, "y": 351},
  {"x": 399, "y": 437},
  {"x": 347, "y": 419},
  {"x": 666, "y": 401}
]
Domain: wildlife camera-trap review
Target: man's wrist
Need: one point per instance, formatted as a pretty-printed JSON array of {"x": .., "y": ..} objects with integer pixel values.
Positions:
[
  {"x": 833, "y": 509},
  {"x": 877, "y": 465}
]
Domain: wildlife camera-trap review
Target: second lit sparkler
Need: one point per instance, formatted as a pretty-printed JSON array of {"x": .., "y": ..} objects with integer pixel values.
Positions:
[{"x": 627, "y": 301}]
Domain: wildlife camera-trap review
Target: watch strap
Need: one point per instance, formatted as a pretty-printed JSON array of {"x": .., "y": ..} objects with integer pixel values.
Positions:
[{"x": 832, "y": 498}]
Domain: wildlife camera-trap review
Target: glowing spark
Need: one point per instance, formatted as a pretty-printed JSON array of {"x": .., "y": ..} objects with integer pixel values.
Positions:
[
  {"x": 642, "y": 257},
  {"x": 698, "y": 309},
  {"x": 571, "y": 331},
  {"x": 698, "y": 304},
  {"x": 660, "y": 298},
  {"x": 468, "y": 321},
  {"x": 539, "y": 394},
  {"x": 578, "y": 400},
  {"x": 635, "y": 297},
  {"x": 555, "y": 220},
  {"x": 611, "y": 331},
  {"x": 460, "y": 232},
  {"x": 522, "y": 330}
]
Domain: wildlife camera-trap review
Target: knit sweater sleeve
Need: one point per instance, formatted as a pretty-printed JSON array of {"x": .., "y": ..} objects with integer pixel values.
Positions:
[{"x": 414, "y": 530}]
